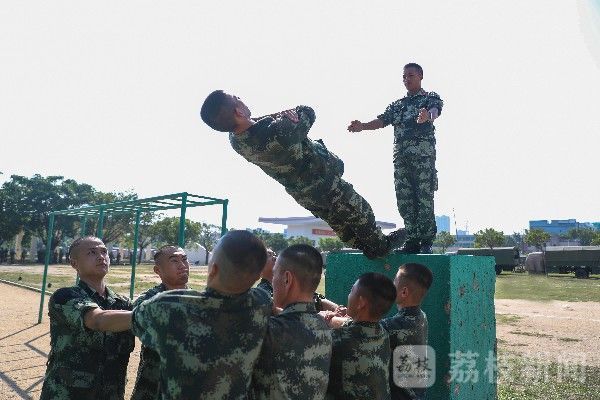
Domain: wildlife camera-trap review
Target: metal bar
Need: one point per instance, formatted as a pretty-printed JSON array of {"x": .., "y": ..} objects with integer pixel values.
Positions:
[
  {"x": 136, "y": 236},
  {"x": 181, "y": 235},
  {"x": 83, "y": 226},
  {"x": 224, "y": 218},
  {"x": 100, "y": 224},
  {"x": 48, "y": 246}
]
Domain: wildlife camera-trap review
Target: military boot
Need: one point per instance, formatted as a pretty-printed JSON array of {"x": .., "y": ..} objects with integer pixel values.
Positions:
[{"x": 396, "y": 238}]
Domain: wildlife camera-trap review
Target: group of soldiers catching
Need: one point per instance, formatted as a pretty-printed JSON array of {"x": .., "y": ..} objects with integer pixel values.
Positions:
[{"x": 278, "y": 340}]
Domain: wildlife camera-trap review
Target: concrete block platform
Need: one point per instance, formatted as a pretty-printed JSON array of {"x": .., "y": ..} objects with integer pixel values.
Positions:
[{"x": 460, "y": 312}]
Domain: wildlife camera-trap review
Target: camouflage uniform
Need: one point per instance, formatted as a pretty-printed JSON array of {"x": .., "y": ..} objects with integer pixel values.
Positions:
[
  {"x": 85, "y": 364},
  {"x": 294, "y": 360},
  {"x": 312, "y": 175},
  {"x": 415, "y": 176},
  {"x": 267, "y": 286},
  {"x": 148, "y": 374},
  {"x": 407, "y": 327},
  {"x": 360, "y": 362},
  {"x": 208, "y": 342}
]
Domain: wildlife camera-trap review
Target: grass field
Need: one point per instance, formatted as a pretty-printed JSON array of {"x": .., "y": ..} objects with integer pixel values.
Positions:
[{"x": 541, "y": 288}]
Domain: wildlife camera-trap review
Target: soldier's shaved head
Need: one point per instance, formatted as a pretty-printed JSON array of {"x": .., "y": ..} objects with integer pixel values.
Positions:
[
  {"x": 380, "y": 292},
  {"x": 79, "y": 242},
  {"x": 416, "y": 66},
  {"x": 239, "y": 257},
  {"x": 218, "y": 111},
  {"x": 305, "y": 262}
]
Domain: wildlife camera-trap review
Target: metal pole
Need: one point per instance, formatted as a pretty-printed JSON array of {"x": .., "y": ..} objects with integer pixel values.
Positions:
[
  {"x": 83, "y": 226},
  {"x": 224, "y": 218},
  {"x": 100, "y": 224},
  {"x": 48, "y": 246},
  {"x": 136, "y": 236},
  {"x": 181, "y": 235}
]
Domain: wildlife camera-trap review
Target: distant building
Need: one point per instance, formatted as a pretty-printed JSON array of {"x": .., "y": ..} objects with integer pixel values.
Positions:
[
  {"x": 310, "y": 227},
  {"x": 443, "y": 223},
  {"x": 464, "y": 240},
  {"x": 555, "y": 227}
]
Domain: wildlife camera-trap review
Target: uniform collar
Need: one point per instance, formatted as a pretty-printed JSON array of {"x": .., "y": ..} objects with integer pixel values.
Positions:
[
  {"x": 301, "y": 307},
  {"x": 366, "y": 325},
  {"x": 412, "y": 310},
  {"x": 420, "y": 92},
  {"x": 109, "y": 295}
]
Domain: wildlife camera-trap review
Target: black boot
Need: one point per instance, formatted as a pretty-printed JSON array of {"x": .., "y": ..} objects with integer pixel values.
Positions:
[
  {"x": 396, "y": 238},
  {"x": 410, "y": 247}
]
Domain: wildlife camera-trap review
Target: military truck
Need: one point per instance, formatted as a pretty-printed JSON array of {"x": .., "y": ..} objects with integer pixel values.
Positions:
[
  {"x": 507, "y": 258},
  {"x": 582, "y": 260}
]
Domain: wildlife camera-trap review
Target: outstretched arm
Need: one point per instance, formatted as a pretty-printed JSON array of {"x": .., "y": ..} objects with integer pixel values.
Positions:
[
  {"x": 107, "y": 320},
  {"x": 357, "y": 126}
]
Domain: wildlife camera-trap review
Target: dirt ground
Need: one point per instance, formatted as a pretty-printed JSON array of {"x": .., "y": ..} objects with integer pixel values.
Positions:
[{"x": 530, "y": 328}]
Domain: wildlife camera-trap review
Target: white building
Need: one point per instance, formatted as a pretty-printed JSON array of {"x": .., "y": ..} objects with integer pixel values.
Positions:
[{"x": 310, "y": 227}]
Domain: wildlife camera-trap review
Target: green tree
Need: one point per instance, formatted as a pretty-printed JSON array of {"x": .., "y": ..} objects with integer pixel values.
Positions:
[
  {"x": 275, "y": 241},
  {"x": 596, "y": 240},
  {"x": 330, "y": 244},
  {"x": 116, "y": 226},
  {"x": 166, "y": 231},
  {"x": 300, "y": 240},
  {"x": 489, "y": 237},
  {"x": 514, "y": 240},
  {"x": 208, "y": 237},
  {"x": 585, "y": 235},
  {"x": 443, "y": 240},
  {"x": 536, "y": 238},
  {"x": 32, "y": 199},
  {"x": 11, "y": 221}
]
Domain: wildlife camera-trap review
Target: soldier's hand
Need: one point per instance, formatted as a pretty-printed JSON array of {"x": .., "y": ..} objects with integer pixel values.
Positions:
[
  {"x": 423, "y": 116},
  {"x": 292, "y": 115},
  {"x": 355, "y": 126}
]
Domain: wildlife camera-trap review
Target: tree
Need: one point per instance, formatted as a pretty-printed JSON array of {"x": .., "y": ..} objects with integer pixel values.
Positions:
[
  {"x": 116, "y": 226},
  {"x": 489, "y": 237},
  {"x": 166, "y": 231},
  {"x": 514, "y": 240},
  {"x": 275, "y": 241},
  {"x": 444, "y": 240},
  {"x": 32, "y": 199},
  {"x": 208, "y": 237},
  {"x": 11, "y": 222},
  {"x": 585, "y": 235},
  {"x": 330, "y": 244},
  {"x": 596, "y": 240},
  {"x": 536, "y": 238},
  {"x": 300, "y": 240}
]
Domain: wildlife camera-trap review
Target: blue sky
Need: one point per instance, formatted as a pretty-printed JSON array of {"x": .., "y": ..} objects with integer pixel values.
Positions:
[{"x": 108, "y": 93}]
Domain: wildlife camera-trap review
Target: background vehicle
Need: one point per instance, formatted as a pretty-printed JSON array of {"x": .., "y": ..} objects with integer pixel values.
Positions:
[{"x": 507, "y": 258}]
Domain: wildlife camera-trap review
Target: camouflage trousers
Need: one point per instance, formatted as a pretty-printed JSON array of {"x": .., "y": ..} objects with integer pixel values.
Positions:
[
  {"x": 347, "y": 213},
  {"x": 415, "y": 180},
  {"x": 148, "y": 376}
]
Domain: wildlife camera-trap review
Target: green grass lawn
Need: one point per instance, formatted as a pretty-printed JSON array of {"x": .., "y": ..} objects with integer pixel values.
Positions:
[
  {"x": 545, "y": 288},
  {"x": 118, "y": 278}
]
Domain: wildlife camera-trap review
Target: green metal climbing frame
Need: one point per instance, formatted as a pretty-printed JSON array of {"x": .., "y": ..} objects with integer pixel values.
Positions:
[{"x": 181, "y": 201}]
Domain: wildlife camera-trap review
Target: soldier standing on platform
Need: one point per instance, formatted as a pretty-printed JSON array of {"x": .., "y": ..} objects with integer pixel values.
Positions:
[{"x": 415, "y": 176}]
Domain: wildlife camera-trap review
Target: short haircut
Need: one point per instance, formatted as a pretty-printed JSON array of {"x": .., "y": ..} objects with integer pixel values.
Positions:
[
  {"x": 415, "y": 66},
  {"x": 78, "y": 242},
  {"x": 217, "y": 112},
  {"x": 305, "y": 262},
  {"x": 240, "y": 256},
  {"x": 380, "y": 292},
  {"x": 164, "y": 249},
  {"x": 417, "y": 274}
]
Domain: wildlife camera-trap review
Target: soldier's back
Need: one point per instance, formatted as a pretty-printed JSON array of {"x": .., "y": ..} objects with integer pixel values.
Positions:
[
  {"x": 360, "y": 362},
  {"x": 208, "y": 343},
  {"x": 295, "y": 358}
]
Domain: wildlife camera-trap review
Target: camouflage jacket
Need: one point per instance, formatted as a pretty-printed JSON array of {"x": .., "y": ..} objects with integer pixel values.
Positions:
[
  {"x": 294, "y": 360},
  {"x": 403, "y": 113},
  {"x": 85, "y": 364},
  {"x": 148, "y": 374},
  {"x": 407, "y": 327},
  {"x": 208, "y": 342},
  {"x": 267, "y": 286},
  {"x": 360, "y": 362},
  {"x": 283, "y": 151}
]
